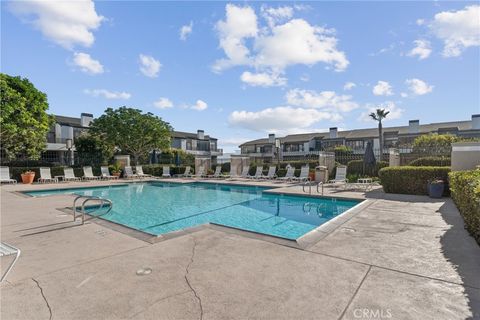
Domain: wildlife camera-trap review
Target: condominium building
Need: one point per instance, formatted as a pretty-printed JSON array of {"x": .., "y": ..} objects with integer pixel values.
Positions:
[
  {"x": 196, "y": 143},
  {"x": 300, "y": 145}
]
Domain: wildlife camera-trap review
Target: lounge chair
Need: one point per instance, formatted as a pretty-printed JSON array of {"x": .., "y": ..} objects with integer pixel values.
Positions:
[
  {"x": 106, "y": 173},
  {"x": 139, "y": 172},
  {"x": 7, "y": 250},
  {"x": 340, "y": 177},
  {"x": 217, "y": 173},
  {"x": 258, "y": 173},
  {"x": 303, "y": 174},
  {"x": 166, "y": 172},
  {"x": 244, "y": 173},
  {"x": 186, "y": 174},
  {"x": 88, "y": 174},
  {"x": 232, "y": 174},
  {"x": 128, "y": 172},
  {"x": 5, "y": 175},
  {"x": 200, "y": 173},
  {"x": 289, "y": 175},
  {"x": 271, "y": 173},
  {"x": 69, "y": 175},
  {"x": 46, "y": 176}
]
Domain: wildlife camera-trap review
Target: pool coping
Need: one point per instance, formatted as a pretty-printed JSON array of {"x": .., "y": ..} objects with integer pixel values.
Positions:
[{"x": 304, "y": 242}]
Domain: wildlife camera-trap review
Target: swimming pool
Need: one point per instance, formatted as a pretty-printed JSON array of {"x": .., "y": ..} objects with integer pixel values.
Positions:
[{"x": 158, "y": 208}]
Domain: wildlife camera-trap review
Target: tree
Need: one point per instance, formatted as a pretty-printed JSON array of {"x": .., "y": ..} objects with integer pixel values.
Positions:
[
  {"x": 93, "y": 150},
  {"x": 132, "y": 131},
  {"x": 435, "y": 144},
  {"x": 24, "y": 122},
  {"x": 379, "y": 115}
]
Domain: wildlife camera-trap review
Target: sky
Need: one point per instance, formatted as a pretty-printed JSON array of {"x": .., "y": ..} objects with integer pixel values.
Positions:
[{"x": 241, "y": 70}]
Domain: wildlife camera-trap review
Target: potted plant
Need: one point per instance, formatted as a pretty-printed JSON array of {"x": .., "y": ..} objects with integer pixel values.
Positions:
[
  {"x": 116, "y": 170},
  {"x": 28, "y": 176},
  {"x": 436, "y": 188},
  {"x": 311, "y": 175}
]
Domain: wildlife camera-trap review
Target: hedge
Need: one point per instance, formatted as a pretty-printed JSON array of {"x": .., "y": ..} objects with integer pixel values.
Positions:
[
  {"x": 157, "y": 169},
  {"x": 431, "y": 162},
  {"x": 411, "y": 180},
  {"x": 355, "y": 167},
  {"x": 16, "y": 172},
  {"x": 465, "y": 190}
]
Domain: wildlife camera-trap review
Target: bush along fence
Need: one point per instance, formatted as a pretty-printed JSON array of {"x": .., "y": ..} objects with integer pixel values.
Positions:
[
  {"x": 465, "y": 191},
  {"x": 412, "y": 180},
  {"x": 431, "y": 162}
]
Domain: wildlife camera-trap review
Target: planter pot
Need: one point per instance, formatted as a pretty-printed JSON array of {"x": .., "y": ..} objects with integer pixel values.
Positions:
[
  {"x": 311, "y": 176},
  {"x": 27, "y": 178},
  {"x": 116, "y": 174},
  {"x": 436, "y": 190}
]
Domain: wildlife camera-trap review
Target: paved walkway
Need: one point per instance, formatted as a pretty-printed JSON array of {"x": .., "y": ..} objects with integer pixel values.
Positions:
[{"x": 402, "y": 257}]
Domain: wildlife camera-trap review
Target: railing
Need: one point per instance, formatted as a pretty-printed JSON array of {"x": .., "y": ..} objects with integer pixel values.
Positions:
[
  {"x": 87, "y": 199},
  {"x": 309, "y": 184}
]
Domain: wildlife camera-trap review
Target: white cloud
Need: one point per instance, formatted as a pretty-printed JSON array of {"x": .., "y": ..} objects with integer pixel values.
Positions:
[
  {"x": 163, "y": 103},
  {"x": 458, "y": 30},
  {"x": 107, "y": 94},
  {"x": 349, "y": 86},
  {"x": 395, "y": 111},
  {"x": 276, "y": 15},
  {"x": 418, "y": 87},
  {"x": 280, "y": 120},
  {"x": 274, "y": 47},
  {"x": 149, "y": 66},
  {"x": 305, "y": 78},
  {"x": 240, "y": 23},
  {"x": 66, "y": 23},
  {"x": 87, "y": 64},
  {"x": 186, "y": 30},
  {"x": 199, "y": 105},
  {"x": 263, "y": 79},
  {"x": 327, "y": 100},
  {"x": 382, "y": 88},
  {"x": 422, "y": 49},
  {"x": 420, "y": 22}
]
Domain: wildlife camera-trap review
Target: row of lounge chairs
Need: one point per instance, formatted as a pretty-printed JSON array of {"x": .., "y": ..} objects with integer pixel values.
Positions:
[{"x": 69, "y": 175}]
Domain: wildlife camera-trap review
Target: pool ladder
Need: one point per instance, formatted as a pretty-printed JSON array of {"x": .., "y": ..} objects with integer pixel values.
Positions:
[
  {"x": 103, "y": 201},
  {"x": 309, "y": 184}
]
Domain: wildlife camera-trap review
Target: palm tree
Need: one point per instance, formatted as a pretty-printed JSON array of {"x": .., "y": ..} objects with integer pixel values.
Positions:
[{"x": 379, "y": 115}]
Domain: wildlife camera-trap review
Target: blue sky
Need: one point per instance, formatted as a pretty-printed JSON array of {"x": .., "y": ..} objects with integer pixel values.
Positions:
[{"x": 241, "y": 70}]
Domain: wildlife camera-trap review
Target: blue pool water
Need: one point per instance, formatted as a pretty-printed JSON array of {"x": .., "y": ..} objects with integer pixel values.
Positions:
[{"x": 158, "y": 208}]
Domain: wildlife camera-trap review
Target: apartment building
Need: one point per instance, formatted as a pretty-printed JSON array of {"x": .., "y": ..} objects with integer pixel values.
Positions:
[
  {"x": 301, "y": 145},
  {"x": 196, "y": 143}
]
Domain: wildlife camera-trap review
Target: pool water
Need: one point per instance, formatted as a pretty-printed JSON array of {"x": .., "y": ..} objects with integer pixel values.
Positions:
[{"x": 158, "y": 208}]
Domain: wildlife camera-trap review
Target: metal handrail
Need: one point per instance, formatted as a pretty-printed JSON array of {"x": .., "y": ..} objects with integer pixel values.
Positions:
[
  {"x": 309, "y": 186},
  {"x": 90, "y": 198},
  {"x": 320, "y": 184}
]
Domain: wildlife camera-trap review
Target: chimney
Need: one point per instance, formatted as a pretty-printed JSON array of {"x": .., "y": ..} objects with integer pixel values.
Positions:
[
  {"x": 414, "y": 126},
  {"x": 271, "y": 138},
  {"x": 85, "y": 119},
  {"x": 333, "y": 132},
  {"x": 200, "y": 134},
  {"x": 476, "y": 121}
]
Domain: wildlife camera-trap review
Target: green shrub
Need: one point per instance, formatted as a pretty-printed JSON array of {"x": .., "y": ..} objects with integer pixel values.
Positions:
[
  {"x": 55, "y": 171},
  {"x": 411, "y": 180},
  {"x": 157, "y": 169},
  {"x": 431, "y": 162},
  {"x": 465, "y": 189},
  {"x": 355, "y": 167}
]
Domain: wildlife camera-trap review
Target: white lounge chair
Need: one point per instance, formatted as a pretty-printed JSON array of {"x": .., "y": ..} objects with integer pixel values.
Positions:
[
  {"x": 244, "y": 173},
  {"x": 46, "y": 176},
  {"x": 7, "y": 250},
  {"x": 258, "y": 173},
  {"x": 69, "y": 175},
  {"x": 128, "y": 172},
  {"x": 232, "y": 174},
  {"x": 106, "y": 173},
  {"x": 289, "y": 175},
  {"x": 303, "y": 174},
  {"x": 200, "y": 173},
  {"x": 5, "y": 175},
  {"x": 166, "y": 172},
  {"x": 139, "y": 172},
  {"x": 340, "y": 177},
  {"x": 271, "y": 173},
  {"x": 217, "y": 173},
  {"x": 187, "y": 173},
  {"x": 88, "y": 174}
]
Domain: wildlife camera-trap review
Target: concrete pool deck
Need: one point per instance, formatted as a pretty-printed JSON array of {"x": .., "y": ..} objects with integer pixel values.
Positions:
[{"x": 400, "y": 257}]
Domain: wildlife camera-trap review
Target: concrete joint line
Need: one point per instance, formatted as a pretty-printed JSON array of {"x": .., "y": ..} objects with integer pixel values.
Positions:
[
  {"x": 44, "y": 298},
  {"x": 354, "y": 294},
  {"x": 187, "y": 271}
]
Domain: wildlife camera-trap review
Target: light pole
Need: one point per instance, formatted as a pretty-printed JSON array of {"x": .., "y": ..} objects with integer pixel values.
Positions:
[
  {"x": 277, "y": 146},
  {"x": 69, "y": 145}
]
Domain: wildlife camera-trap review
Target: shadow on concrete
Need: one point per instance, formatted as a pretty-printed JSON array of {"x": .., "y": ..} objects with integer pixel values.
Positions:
[{"x": 463, "y": 252}]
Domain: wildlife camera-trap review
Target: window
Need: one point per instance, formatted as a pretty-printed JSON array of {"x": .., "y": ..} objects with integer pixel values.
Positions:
[{"x": 355, "y": 144}]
